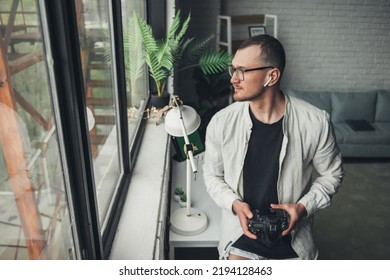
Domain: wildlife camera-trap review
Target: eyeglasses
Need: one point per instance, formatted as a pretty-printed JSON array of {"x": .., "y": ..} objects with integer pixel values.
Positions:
[{"x": 240, "y": 72}]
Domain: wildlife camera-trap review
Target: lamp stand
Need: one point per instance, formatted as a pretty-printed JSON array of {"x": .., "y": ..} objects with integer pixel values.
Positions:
[{"x": 188, "y": 221}]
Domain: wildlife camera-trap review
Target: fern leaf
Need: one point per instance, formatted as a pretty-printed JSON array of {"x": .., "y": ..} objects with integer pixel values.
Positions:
[
  {"x": 147, "y": 35},
  {"x": 214, "y": 62},
  {"x": 174, "y": 26},
  {"x": 184, "y": 28},
  {"x": 134, "y": 61},
  {"x": 193, "y": 50}
]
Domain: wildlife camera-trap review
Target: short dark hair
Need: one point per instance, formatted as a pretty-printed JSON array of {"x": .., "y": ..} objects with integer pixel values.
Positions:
[{"x": 272, "y": 51}]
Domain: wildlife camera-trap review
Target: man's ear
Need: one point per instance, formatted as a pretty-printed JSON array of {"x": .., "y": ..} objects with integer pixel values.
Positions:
[{"x": 274, "y": 77}]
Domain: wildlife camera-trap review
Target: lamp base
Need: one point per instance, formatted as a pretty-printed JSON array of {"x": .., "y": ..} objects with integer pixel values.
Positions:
[{"x": 188, "y": 225}]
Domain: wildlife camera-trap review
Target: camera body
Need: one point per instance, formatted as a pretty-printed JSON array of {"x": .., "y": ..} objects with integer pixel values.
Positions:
[{"x": 268, "y": 225}]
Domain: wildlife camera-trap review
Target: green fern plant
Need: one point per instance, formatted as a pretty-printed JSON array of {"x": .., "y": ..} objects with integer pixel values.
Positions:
[
  {"x": 175, "y": 53},
  {"x": 133, "y": 54},
  {"x": 132, "y": 45}
]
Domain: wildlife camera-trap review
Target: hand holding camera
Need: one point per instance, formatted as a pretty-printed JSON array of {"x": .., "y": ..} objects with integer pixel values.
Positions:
[{"x": 268, "y": 225}]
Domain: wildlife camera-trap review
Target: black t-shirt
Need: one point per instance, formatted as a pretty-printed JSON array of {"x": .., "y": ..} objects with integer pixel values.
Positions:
[
  {"x": 261, "y": 166},
  {"x": 260, "y": 175}
]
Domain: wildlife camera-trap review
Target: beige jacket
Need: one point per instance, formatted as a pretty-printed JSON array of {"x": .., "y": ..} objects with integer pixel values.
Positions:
[{"x": 308, "y": 143}]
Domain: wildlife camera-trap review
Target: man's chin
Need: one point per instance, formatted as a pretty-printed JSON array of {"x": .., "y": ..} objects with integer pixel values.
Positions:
[
  {"x": 241, "y": 97},
  {"x": 237, "y": 97}
]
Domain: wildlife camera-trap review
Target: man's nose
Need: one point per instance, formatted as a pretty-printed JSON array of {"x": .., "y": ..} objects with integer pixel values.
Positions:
[{"x": 234, "y": 79}]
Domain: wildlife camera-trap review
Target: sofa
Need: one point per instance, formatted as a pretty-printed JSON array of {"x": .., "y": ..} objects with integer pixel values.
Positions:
[{"x": 361, "y": 120}]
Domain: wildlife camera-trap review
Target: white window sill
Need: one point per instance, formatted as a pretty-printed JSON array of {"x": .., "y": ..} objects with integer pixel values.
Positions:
[{"x": 140, "y": 233}]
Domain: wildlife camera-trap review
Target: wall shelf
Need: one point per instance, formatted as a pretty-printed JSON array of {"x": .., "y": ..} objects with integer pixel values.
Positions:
[{"x": 231, "y": 30}]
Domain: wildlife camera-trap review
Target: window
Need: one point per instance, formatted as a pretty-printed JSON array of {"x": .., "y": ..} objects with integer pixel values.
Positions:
[
  {"x": 70, "y": 122},
  {"x": 96, "y": 35},
  {"x": 35, "y": 214},
  {"x": 102, "y": 105},
  {"x": 136, "y": 72}
]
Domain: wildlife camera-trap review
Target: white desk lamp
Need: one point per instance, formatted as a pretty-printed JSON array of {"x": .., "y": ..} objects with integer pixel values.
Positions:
[{"x": 181, "y": 121}]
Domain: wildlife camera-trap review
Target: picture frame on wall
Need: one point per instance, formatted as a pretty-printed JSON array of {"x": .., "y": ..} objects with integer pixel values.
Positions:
[{"x": 256, "y": 30}]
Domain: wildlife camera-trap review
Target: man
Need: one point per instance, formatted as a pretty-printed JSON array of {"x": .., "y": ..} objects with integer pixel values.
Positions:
[{"x": 260, "y": 154}]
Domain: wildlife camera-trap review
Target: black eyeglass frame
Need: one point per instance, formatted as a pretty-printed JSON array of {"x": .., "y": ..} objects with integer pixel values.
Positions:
[{"x": 232, "y": 70}]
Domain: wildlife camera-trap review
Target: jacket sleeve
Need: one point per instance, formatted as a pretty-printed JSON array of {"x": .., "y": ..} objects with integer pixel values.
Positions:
[
  {"x": 327, "y": 161},
  {"x": 214, "y": 168}
]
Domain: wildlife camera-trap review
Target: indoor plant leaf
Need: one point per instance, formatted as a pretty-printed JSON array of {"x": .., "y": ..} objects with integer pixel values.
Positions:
[{"x": 175, "y": 53}]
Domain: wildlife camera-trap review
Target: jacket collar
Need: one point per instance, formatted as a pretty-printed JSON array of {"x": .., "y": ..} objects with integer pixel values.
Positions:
[
  {"x": 248, "y": 120},
  {"x": 247, "y": 117}
]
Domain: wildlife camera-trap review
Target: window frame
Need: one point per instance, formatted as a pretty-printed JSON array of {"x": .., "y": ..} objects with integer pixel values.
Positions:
[{"x": 64, "y": 42}]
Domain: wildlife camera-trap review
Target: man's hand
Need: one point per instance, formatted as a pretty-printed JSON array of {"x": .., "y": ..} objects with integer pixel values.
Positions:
[
  {"x": 296, "y": 212},
  {"x": 243, "y": 212}
]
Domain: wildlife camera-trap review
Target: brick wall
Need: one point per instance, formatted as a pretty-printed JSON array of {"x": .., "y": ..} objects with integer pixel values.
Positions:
[{"x": 330, "y": 44}]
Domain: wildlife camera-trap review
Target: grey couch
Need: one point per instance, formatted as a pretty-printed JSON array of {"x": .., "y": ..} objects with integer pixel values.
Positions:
[{"x": 361, "y": 120}]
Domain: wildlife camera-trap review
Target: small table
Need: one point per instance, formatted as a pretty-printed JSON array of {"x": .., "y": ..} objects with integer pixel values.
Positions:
[{"x": 200, "y": 200}]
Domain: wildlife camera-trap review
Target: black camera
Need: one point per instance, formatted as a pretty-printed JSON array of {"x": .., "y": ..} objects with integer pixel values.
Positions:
[{"x": 268, "y": 224}]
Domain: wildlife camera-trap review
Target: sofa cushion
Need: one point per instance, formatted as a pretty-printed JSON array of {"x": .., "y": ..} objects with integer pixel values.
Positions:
[
  {"x": 383, "y": 107},
  {"x": 346, "y": 135},
  {"x": 320, "y": 99},
  {"x": 385, "y": 126},
  {"x": 353, "y": 106},
  {"x": 338, "y": 131},
  {"x": 359, "y": 125}
]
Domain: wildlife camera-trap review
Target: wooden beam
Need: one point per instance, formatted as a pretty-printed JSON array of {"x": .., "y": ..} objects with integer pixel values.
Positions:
[
  {"x": 32, "y": 111},
  {"x": 10, "y": 24},
  {"x": 11, "y": 140},
  {"x": 24, "y": 62}
]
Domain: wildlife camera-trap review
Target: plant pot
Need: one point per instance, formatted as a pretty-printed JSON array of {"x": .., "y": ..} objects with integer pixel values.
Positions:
[
  {"x": 177, "y": 193},
  {"x": 183, "y": 203},
  {"x": 183, "y": 200},
  {"x": 160, "y": 101}
]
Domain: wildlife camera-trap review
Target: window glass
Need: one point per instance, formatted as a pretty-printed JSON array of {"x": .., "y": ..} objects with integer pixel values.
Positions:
[
  {"x": 35, "y": 217},
  {"x": 136, "y": 72},
  {"x": 96, "y": 49}
]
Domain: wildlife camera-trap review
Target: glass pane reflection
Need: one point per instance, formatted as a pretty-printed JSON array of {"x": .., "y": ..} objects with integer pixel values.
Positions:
[
  {"x": 136, "y": 72},
  {"x": 35, "y": 219},
  {"x": 100, "y": 88}
]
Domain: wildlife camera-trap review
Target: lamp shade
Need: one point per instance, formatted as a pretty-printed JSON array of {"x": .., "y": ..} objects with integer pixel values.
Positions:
[
  {"x": 191, "y": 121},
  {"x": 91, "y": 119}
]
